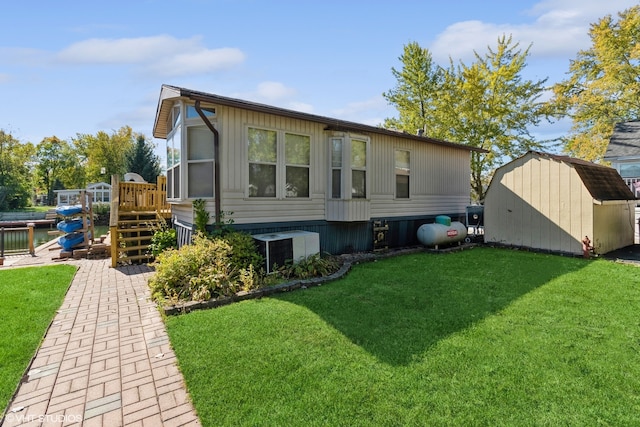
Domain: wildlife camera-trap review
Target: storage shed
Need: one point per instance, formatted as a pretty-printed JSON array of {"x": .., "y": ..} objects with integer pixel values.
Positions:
[{"x": 550, "y": 202}]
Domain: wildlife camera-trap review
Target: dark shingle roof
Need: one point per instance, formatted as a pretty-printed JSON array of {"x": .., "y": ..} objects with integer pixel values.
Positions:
[
  {"x": 625, "y": 141},
  {"x": 602, "y": 182}
]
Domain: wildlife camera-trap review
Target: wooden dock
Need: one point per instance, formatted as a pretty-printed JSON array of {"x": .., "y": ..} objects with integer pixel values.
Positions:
[{"x": 23, "y": 223}]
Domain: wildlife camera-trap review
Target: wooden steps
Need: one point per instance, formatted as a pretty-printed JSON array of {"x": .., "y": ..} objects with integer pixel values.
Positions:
[{"x": 135, "y": 230}]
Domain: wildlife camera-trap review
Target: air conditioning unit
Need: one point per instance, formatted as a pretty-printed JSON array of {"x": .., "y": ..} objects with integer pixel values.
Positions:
[{"x": 278, "y": 248}]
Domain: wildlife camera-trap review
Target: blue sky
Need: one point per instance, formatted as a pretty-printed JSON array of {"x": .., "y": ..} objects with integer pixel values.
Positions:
[{"x": 70, "y": 67}]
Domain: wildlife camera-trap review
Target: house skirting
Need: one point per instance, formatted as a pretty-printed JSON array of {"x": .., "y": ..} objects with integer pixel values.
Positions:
[{"x": 343, "y": 237}]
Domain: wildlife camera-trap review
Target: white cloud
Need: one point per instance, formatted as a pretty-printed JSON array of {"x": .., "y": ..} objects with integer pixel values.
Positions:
[
  {"x": 274, "y": 91},
  {"x": 559, "y": 29},
  {"x": 354, "y": 109},
  {"x": 300, "y": 106},
  {"x": 162, "y": 55},
  {"x": 4, "y": 78}
]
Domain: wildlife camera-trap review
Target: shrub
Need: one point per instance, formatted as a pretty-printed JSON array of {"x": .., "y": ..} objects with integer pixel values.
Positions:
[
  {"x": 201, "y": 215},
  {"x": 312, "y": 266},
  {"x": 244, "y": 252},
  {"x": 200, "y": 271},
  {"x": 162, "y": 240}
]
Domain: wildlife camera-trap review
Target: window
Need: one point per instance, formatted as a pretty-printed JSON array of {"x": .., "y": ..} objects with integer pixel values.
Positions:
[
  {"x": 297, "y": 148},
  {"x": 276, "y": 158},
  {"x": 263, "y": 156},
  {"x": 174, "y": 141},
  {"x": 402, "y": 159},
  {"x": 200, "y": 162},
  {"x": 348, "y": 167},
  {"x": 336, "y": 168},
  {"x": 358, "y": 169},
  {"x": 630, "y": 170},
  {"x": 193, "y": 114}
]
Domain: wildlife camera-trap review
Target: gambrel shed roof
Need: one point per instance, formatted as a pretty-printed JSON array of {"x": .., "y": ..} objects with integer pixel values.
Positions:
[{"x": 602, "y": 182}]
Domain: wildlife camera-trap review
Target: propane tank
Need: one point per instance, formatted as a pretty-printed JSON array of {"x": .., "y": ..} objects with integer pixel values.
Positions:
[{"x": 439, "y": 234}]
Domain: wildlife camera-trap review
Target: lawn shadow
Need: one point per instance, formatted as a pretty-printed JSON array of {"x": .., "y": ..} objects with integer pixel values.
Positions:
[{"x": 399, "y": 307}]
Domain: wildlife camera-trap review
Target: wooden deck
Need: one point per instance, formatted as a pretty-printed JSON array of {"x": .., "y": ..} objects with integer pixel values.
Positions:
[{"x": 136, "y": 211}]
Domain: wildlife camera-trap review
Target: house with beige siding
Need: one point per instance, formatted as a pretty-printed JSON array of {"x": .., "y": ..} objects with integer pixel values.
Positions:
[
  {"x": 273, "y": 170},
  {"x": 550, "y": 202}
]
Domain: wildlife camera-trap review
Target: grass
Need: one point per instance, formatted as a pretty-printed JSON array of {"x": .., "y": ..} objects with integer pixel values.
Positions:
[
  {"x": 30, "y": 297},
  {"x": 480, "y": 337}
]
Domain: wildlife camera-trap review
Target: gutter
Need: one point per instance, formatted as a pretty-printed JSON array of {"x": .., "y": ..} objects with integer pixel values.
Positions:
[{"x": 216, "y": 161}]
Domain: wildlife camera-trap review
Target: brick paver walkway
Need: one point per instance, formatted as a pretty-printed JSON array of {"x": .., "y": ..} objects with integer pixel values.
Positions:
[{"x": 105, "y": 360}]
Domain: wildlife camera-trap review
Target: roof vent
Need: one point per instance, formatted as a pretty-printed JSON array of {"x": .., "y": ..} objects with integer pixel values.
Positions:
[{"x": 420, "y": 132}]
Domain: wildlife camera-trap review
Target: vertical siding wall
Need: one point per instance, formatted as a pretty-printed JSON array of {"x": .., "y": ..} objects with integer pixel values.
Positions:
[
  {"x": 538, "y": 203},
  {"x": 613, "y": 226},
  {"x": 439, "y": 185}
]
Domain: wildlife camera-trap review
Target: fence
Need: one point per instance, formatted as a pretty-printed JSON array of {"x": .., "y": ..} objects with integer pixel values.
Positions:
[{"x": 16, "y": 240}]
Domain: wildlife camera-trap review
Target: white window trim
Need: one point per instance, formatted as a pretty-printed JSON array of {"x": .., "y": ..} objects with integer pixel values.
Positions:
[
  {"x": 281, "y": 165},
  {"x": 196, "y": 124},
  {"x": 347, "y": 187},
  {"x": 184, "y": 124},
  {"x": 395, "y": 194}
]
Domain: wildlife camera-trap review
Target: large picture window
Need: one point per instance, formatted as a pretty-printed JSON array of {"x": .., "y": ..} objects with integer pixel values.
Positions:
[{"x": 279, "y": 163}]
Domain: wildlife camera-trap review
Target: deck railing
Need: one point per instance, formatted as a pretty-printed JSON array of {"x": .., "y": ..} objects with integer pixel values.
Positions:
[
  {"x": 16, "y": 240},
  {"x": 135, "y": 196},
  {"x": 138, "y": 196}
]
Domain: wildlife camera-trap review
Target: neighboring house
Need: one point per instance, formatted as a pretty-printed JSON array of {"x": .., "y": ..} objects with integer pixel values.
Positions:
[
  {"x": 550, "y": 202},
  {"x": 623, "y": 152},
  {"x": 101, "y": 194},
  {"x": 280, "y": 170}
]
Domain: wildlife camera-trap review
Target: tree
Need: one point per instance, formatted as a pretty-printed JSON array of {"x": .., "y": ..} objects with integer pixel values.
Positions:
[
  {"x": 15, "y": 172},
  {"x": 144, "y": 161},
  {"x": 105, "y": 154},
  {"x": 418, "y": 84},
  {"x": 603, "y": 87},
  {"x": 54, "y": 158},
  {"x": 486, "y": 104}
]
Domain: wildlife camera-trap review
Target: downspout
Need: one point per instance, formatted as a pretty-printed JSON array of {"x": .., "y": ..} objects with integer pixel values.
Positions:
[{"x": 216, "y": 162}]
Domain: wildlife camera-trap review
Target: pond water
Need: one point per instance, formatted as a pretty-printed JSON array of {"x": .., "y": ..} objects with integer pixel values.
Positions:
[{"x": 41, "y": 236}]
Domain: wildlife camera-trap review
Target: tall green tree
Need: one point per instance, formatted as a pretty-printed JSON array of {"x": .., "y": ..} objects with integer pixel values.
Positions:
[
  {"x": 105, "y": 154},
  {"x": 603, "y": 87},
  {"x": 418, "y": 83},
  {"x": 143, "y": 160},
  {"x": 487, "y": 104},
  {"x": 54, "y": 160},
  {"x": 15, "y": 172}
]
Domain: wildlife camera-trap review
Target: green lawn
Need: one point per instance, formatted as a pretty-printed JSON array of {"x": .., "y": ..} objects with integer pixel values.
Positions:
[
  {"x": 479, "y": 337},
  {"x": 30, "y": 298}
]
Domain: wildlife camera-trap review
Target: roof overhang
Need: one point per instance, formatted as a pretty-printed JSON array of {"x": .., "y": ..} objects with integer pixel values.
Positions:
[{"x": 170, "y": 94}]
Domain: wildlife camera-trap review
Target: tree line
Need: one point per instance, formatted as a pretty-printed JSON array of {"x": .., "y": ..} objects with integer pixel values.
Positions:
[
  {"x": 489, "y": 104},
  {"x": 486, "y": 103},
  {"x": 28, "y": 171}
]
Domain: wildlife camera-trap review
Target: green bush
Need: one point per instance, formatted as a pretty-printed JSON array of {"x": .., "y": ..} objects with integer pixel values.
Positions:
[
  {"x": 163, "y": 239},
  {"x": 312, "y": 266},
  {"x": 200, "y": 271},
  {"x": 244, "y": 252}
]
